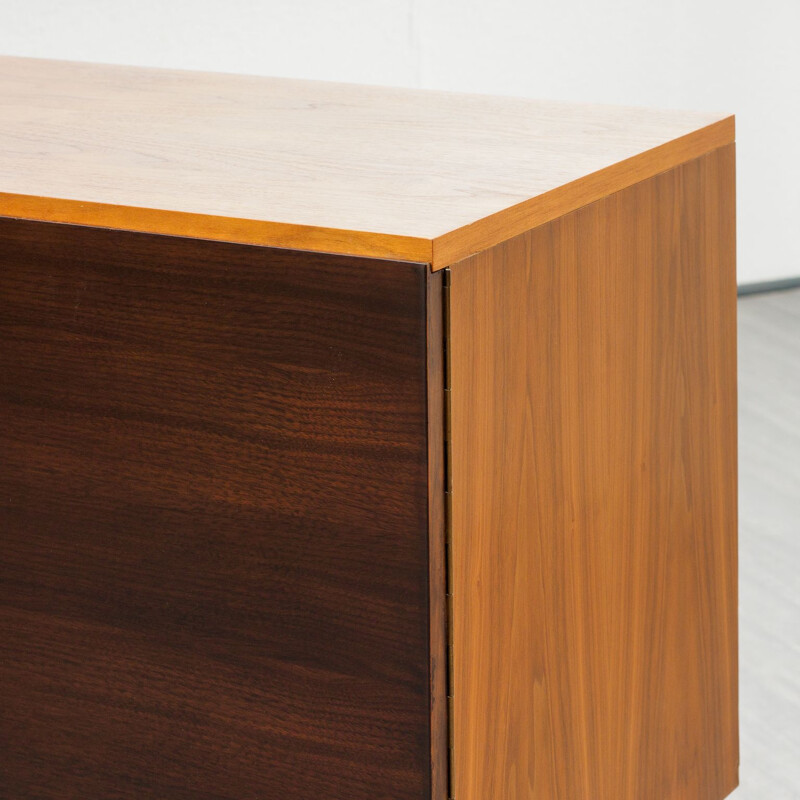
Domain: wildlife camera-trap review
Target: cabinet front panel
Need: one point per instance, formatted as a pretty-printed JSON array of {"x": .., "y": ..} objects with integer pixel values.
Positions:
[{"x": 213, "y": 521}]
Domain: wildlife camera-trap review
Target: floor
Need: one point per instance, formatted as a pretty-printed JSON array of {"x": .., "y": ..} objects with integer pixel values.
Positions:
[{"x": 769, "y": 538}]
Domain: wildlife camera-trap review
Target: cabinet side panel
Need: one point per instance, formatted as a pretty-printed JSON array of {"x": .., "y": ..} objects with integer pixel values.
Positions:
[
  {"x": 594, "y": 484},
  {"x": 213, "y": 517}
]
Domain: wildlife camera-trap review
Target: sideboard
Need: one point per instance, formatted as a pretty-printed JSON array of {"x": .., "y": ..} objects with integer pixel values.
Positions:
[{"x": 362, "y": 443}]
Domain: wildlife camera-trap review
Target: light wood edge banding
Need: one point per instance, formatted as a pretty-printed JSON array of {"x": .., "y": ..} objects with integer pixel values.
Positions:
[
  {"x": 227, "y": 229},
  {"x": 489, "y": 231}
]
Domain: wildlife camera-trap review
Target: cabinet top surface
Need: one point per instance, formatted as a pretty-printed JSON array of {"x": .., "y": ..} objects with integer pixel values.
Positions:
[{"x": 395, "y": 173}]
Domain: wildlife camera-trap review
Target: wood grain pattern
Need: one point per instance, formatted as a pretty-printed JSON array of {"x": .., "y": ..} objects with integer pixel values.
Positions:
[
  {"x": 594, "y": 500},
  {"x": 391, "y": 173},
  {"x": 214, "y": 511},
  {"x": 554, "y": 203}
]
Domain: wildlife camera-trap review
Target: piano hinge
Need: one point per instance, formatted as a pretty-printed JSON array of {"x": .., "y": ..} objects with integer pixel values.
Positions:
[{"x": 448, "y": 527}]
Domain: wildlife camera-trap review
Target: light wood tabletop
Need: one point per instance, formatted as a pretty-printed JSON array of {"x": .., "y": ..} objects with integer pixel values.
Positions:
[{"x": 395, "y": 173}]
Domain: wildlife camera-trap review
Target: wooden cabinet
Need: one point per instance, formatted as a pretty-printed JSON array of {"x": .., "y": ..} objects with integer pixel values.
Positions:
[{"x": 362, "y": 443}]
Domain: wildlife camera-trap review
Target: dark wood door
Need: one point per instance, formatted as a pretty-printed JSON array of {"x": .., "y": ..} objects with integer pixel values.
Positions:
[{"x": 213, "y": 520}]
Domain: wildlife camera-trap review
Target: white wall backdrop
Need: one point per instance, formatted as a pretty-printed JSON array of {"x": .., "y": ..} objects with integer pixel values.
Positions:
[{"x": 724, "y": 55}]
